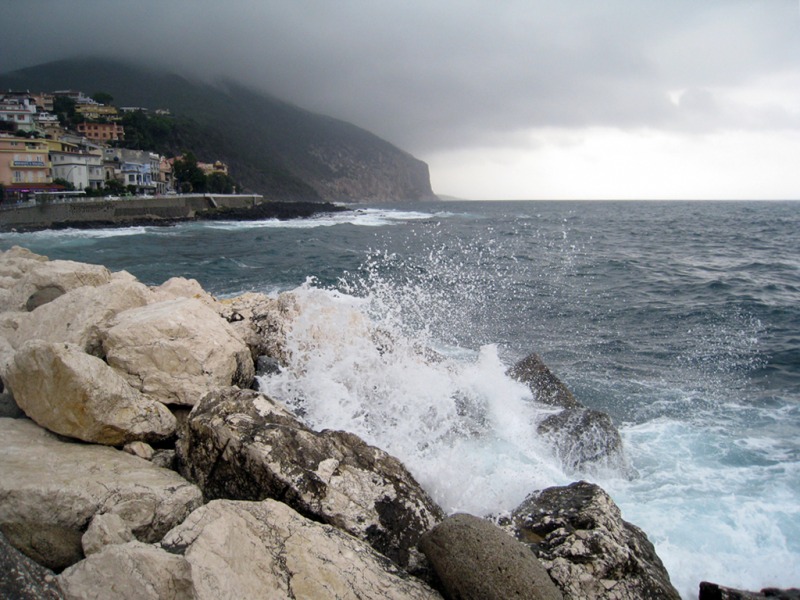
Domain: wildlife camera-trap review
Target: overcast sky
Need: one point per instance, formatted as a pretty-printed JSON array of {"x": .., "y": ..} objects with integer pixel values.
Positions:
[{"x": 502, "y": 98}]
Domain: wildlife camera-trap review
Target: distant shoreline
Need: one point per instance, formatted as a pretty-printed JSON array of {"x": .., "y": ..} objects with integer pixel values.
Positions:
[{"x": 162, "y": 213}]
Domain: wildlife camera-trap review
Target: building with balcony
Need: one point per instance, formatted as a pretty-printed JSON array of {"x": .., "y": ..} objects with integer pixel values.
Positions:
[
  {"x": 81, "y": 169},
  {"x": 138, "y": 168},
  {"x": 20, "y": 110},
  {"x": 24, "y": 167},
  {"x": 102, "y": 132}
]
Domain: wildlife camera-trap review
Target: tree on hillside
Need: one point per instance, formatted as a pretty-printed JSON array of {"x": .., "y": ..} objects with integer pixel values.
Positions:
[
  {"x": 220, "y": 183},
  {"x": 189, "y": 177},
  {"x": 103, "y": 98},
  {"x": 64, "y": 109}
]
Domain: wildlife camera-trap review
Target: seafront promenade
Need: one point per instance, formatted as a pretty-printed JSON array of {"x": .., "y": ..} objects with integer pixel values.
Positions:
[{"x": 118, "y": 211}]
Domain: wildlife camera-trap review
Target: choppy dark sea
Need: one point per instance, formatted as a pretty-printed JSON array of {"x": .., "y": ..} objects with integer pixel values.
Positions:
[{"x": 680, "y": 319}]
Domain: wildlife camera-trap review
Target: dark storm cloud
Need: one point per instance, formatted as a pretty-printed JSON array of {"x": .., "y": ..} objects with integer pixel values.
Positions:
[{"x": 436, "y": 75}]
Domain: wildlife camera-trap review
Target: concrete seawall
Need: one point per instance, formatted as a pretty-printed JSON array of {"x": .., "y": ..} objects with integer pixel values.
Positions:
[{"x": 103, "y": 210}]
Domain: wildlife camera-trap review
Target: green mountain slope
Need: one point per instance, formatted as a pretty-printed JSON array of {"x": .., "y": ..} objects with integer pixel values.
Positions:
[{"x": 272, "y": 147}]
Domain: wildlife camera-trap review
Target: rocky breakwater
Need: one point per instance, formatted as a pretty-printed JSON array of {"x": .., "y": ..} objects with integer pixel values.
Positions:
[{"x": 137, "y": 461}]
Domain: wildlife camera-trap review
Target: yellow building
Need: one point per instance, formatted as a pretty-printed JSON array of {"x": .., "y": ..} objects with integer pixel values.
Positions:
[{"x": 24, "y": 166}]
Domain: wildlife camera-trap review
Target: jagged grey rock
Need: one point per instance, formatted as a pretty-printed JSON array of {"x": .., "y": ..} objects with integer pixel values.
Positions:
[
  {"x": 239, "y": 444},
  {"x": 9, "y": 408},
  {"x": 132, "y": 571},
  {"x": 543, "y": 383},
  {"x": 53, "y": 486},
  {"x": 584, "y": 440},
  {"x": 476, "y": 560},
  {"x": 78, "y": 395},
  {"x": 176, "y": 350},
  {"x": 589, "y": 550},
  {"x": 23, "y": 579}
]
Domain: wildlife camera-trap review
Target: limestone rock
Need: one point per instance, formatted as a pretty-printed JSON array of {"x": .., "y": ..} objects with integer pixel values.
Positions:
[
  {"x": 262, "y": 321},
  {"x": 180, "y": 287},
  {"x": 175, "y": 351},
  {"x": 239, "y": 444},
  {"x": 104, "y": 530},
  {"x": 589, "y": 550},
  {"x": 30, "y": 280},
  {"x": 267, "y": 550},
  {"x": 133, "y": 571},
  {"x": 23, "y": 579},
  {"x": 77, "y": 316},
  {"x": 475, "y": 559},
  {"x": 50, "y": 485},
  {"x": 78, "y": 395},
  {"x": 140, "y": 449},
  {"x": 243, "y": 550}
]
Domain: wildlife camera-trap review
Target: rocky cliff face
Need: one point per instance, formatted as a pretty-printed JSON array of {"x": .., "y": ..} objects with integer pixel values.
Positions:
[{"x": 378, "y": 176}]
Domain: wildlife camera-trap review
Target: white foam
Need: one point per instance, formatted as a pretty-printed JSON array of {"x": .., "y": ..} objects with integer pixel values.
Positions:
[
  {"x": 710, "y": 516},
  {"x": 464, "y": 429},
  {"x": 367, "y": 217}
]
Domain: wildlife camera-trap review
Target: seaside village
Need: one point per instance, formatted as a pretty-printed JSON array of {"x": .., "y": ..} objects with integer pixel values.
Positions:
[{"x": 47, "y": 155}]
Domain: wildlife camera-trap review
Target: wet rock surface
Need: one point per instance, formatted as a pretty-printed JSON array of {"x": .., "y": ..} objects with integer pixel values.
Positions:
[
  {"x": 585, "y": 440},
  {"x": 588, "y": 549},
  {"x": 239, "y": 444},
  {"x": 713, "y": 591}
]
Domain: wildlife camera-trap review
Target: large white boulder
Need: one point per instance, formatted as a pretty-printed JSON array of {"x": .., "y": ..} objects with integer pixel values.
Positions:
[
  {"x": 78, "y": 316},
  {"x": 177, "y": 350},
  {"x": 51, "y": 485},
  {"x": 29, "y": 280},
  {"x": 134, "y": 571},
  {"x": 78, "y": 395},
  {"x": 244, "y": 550}
]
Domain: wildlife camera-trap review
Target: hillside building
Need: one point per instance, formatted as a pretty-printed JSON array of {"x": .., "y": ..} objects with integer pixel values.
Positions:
[{"x": 102, "y": 132}]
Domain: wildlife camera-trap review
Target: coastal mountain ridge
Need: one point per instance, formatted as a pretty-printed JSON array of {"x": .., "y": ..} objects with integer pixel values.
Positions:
[{"x": 271, "y": 146}]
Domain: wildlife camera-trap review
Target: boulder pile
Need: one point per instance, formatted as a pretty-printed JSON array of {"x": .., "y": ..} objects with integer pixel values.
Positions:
[{"x": 138, "y": 461}]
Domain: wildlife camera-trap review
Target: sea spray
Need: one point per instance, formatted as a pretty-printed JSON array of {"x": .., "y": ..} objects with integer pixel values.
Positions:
[{"x": 460, "y": 424}]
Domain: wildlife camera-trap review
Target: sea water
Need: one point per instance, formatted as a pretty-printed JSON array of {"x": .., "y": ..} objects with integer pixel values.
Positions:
[{"x": 680, "y": 320}]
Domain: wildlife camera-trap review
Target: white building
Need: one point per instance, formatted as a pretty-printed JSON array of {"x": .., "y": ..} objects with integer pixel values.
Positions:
[{"x": 81, "y": 169}]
